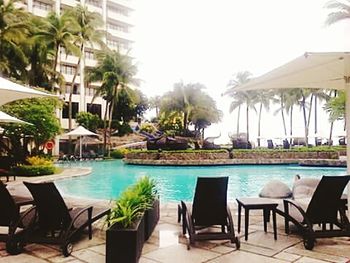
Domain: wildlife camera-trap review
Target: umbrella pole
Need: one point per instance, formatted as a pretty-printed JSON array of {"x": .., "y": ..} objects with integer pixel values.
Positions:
[
  {"x": 80, "y": 150},
  {"x": 347, "y": 118}
]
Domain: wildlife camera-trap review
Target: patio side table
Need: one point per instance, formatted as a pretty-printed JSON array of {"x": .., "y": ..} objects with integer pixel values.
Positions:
[{"x": 264, "y": 204}]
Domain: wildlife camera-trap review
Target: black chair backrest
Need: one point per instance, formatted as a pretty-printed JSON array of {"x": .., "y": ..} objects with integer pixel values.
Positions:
[
  {"x": 210, "y": 201},
  {"x": 9, "y": 212},
  {"x": 52, "y": 210},
  {"x": 325, "y": 202}
]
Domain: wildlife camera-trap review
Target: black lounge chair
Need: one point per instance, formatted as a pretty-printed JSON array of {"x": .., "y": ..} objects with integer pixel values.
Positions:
[
  {"x": 56, "y": 223},
  {"x": 11, "y": 217},
  {"x": 209, "y": 209},
  {"x": 325, "y": 207}
]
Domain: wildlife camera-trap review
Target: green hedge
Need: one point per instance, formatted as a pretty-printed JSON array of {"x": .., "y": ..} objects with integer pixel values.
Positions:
[
  {"x": 34, "y": 170},
  {"x": 180, "y": 151},
  {"x": 117, "y": 154},
  {"x": 295, "y": 149}
]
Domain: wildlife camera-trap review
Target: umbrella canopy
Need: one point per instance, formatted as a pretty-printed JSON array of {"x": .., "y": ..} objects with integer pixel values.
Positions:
[
  {"x": 11, "y": 91},
  {"x": 311, "y": 70},
  {"x": 326, "y": 70},
  {"x": 4, "y": 117},
  {"x": 80, "y": 131}
]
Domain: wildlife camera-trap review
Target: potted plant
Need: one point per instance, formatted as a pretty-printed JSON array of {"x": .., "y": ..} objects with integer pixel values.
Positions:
[
  {"x": 146, "y": 187},
  {"x": 126, "y": 233}
]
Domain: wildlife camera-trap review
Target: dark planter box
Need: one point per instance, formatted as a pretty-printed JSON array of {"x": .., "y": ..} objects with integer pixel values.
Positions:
[
  {"x": 151, "y": 218},
  {"x": 125, "y": 245}
]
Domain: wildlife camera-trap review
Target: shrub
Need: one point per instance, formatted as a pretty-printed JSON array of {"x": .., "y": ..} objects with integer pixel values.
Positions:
[
  {"x": 132, "y": 203},
  {"x": 37, "y": 160},
  {"x": 33, "y": 170},
  {"x": 147, "y": 127},
  {"x": 119, "y": 153},
  {"x": 123, "y": 129}
]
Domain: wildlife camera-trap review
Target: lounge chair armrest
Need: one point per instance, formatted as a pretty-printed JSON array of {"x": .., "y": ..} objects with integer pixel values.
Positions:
[
  {"x": 24, "y": 216},
  {"x": 188, "y": 217},
  {"x": 76, "y": 217},
  {"x": 288, "y": 202}
]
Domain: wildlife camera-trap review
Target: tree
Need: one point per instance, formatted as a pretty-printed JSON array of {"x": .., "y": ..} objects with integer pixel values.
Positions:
[
  {"x": 40, "y": 113},
  {"x": 335, "y": 106},
  {"x": 116, "y": 72},
  {"x": 86, "y": 34},
  {"x": 281, "y": 99},
  {"x": 292, "y": 97},
  {"x": 240, "y": 78},
  {"x": 154, "y": 103},
  {"x": 13, "y": 32},
  {"x": 58, "y": 32},
  {"x": 342, "y": 11},
  {"x": 88, "y": 120},
  {"x": 264, "y": 98}
]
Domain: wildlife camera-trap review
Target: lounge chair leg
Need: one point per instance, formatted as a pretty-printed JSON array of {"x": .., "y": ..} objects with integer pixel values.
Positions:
[
  {"x": 90, "y": 231},
  {"x": 179, "y": 212}
]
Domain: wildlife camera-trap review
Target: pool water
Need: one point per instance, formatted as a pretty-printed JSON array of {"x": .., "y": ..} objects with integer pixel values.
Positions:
[{"x": 109, "y": 178}]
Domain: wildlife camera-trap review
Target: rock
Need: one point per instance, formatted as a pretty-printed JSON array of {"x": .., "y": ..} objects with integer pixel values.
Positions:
[
  {"x": 304, "y": 187},
  {"x": 275, "y": 189}
]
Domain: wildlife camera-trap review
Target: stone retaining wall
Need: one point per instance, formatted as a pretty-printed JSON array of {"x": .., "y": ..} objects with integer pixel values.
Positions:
[
  {"x": 285, "y": 155},
  {"x": 177, "y": 156}
]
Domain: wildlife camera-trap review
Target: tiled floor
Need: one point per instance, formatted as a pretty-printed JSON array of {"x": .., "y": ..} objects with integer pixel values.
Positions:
[{"x": 168, "y": 245}]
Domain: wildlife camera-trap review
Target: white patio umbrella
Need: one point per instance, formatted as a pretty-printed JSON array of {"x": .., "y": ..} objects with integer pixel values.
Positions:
[
  {"x": 323, "y": 70},
  {"x": 4, "y": 117},
  {"x": 80, "y": 131},
  {"x": 10, "y": 91}
]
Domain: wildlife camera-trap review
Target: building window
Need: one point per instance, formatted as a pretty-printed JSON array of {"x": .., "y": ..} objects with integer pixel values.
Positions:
[
  {"x": 118, "y": 27},
  {"x": 65, "y": 110},
  {"x": 90, "y": 91},
  {"x": 89, "y": 54},
  {"x": 116, "y": 43},
  {"x": 94, "y": 109},
  {"x": 75, "y": 89},
  {"x": 119, "y": 11},
  {"x": 42, "y": 6},
  {"x": 94, "y": 3},
  {"x": 67, "y": 69}
]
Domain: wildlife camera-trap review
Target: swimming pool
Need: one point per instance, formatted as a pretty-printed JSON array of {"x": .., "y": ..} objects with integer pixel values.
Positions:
[{"x": 109, "y": 178}]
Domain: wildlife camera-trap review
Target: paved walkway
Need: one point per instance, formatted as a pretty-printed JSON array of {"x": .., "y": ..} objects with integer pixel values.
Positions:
[{"x": 168, "y": 245}]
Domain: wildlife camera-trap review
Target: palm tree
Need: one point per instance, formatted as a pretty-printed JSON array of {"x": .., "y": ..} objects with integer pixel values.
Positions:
[
  {"x": 13, "y": 32},
  {"x": 154, "y": 103},
  {"x": 58, "y": 32},
  {"x": 292, "y": 97},
  {"x": 86, "y": 33},
  {"x": 281, "y": 98},
  {"x": 264, "y": 98},
  {"x": 238, "y": 97},
  {"x": 115, "y": 71},
  {"x": 342, "y": 11}
]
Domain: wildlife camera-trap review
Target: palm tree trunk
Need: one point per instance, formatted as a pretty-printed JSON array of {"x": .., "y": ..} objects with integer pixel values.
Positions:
[
  {"x": 114, "y": 98},
  {"x": 331, "y": 128},
  {"x": 185, "y": 119},
  {"x": 283, "y": 118},
  {"x": 238, "y": 116},
  {"x": 247, "y": 122},
  {"x": 309, "y": 117},
  {"x": 305, "y": 120},
  {"x": 259, "y": 122},
  {"x": 105, "y": 130},
  {"x": 315, "y": 130},
  {"x": 291, "y": 124},
  {"x": 56, "y": 58}
]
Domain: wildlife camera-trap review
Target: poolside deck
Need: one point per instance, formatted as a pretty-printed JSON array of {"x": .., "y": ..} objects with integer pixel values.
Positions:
[{"x": 168, "y": 245}]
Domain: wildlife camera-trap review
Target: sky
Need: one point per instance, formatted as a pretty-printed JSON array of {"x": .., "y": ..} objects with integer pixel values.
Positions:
[{"x": 208, "y": 41}]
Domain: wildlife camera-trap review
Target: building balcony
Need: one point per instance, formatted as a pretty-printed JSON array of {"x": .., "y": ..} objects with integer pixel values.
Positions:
[
  {"x": 69, "y": 2},
  {"x": 115, "y": 16},
  {"x": 69, "y": 59},
  {"x": 120, "y": 34},
  {"x": 126, "y": 3},
  {"x": 93, "y": 8},
  {"x": 90, "y": 62},
  {"x": 40, "y": 12},
  {"x": 68, "y": 78}
]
